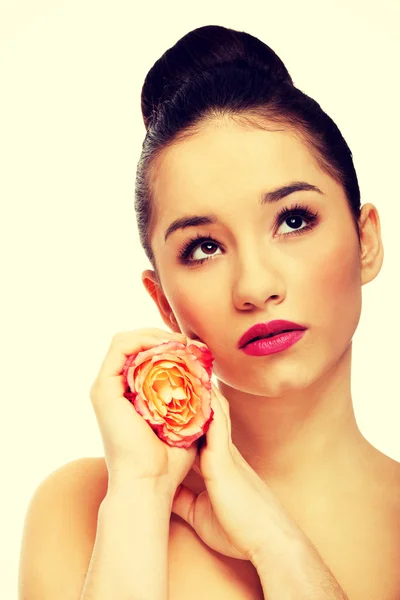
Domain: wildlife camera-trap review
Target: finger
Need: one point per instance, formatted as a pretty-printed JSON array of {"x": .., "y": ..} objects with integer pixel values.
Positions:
[
  {"x": 125, "y": 343},
  {"x": 218, "y": 434},
  {"x": 196, "y": 462},
  {"x": 223, "y": 401},
  {"x": 122, "y": 345},
  {"x": 225, "y": 407},
  {"x": 184, "y": 503}
]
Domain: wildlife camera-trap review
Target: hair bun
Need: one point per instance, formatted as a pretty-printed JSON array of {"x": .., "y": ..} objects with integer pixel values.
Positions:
[{"x": 203, "y": 49}]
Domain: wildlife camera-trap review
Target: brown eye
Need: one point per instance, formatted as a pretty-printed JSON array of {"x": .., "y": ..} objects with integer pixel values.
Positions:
[
  {"x": 207, "y": 247},
  {"x": 199, "y": 243}
]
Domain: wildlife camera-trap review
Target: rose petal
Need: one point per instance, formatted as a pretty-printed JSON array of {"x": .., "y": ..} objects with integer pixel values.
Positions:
[
  {"x": 170, "y": 386},
  {"x": 163, "y": 389}
]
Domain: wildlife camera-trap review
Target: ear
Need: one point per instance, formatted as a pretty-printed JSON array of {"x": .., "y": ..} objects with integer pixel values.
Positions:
[
  {"x": 154, "y": 288},
  {"x": 371, "y": 243}
]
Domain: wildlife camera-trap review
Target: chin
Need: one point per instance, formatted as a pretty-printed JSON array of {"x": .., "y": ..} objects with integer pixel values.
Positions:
[{"x": 273, "y": 381}]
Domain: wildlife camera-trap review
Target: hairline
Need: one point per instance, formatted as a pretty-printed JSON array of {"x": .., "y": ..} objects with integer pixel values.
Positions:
[{"x": 256, "y": 118}]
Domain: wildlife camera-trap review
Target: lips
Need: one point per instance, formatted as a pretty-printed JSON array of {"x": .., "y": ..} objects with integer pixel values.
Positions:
[{"x": 263, "y": 330}]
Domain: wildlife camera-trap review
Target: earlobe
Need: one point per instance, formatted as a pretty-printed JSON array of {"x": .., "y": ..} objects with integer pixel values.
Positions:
[
  {"x": 154, "y": 289},
  {"x": 371, "y": 257}
]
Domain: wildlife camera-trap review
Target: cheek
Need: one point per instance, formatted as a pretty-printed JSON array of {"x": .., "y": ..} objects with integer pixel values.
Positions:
[
  {"x": 195, "y": 308},
  {"x": 337, "y": 278}
]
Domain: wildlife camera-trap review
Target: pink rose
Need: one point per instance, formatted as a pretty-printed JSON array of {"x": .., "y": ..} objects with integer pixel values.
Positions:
[{"x": 170, "y": 386}]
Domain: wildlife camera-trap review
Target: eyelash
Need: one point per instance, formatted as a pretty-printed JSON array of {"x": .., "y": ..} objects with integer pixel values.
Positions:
[{"x": 297, "y": 210}]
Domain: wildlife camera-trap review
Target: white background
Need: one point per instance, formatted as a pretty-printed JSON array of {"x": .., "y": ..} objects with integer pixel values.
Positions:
[{"x": 70, "y": 137}]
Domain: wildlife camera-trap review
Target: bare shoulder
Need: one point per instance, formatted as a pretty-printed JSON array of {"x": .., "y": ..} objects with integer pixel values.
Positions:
[
  {"x": 68, "y": 501},
  {"x": 386, "y": 479},
  {"x": 59, "y": 531},
  {"x": 64, "y": 512},
  {"x": 194, "y": 567}
]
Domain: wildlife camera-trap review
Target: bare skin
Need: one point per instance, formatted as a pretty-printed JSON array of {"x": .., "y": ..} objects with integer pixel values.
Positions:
[
  {"x": 291, "y": 412},
  {"x": 358, "y": 537},
  {"x": 356, "y": 528}
]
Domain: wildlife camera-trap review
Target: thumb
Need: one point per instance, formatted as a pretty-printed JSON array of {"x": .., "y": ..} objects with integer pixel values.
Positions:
[
  {"x": 183, "y": 504},
  {"x": 196, "y": 465}
]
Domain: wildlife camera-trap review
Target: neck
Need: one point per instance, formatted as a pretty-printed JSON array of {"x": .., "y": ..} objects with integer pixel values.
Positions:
[{"x": 304, "y": 439}]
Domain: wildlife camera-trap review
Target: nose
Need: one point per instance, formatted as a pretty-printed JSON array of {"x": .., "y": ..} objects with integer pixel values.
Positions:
[{"x": 256, "y": 281}]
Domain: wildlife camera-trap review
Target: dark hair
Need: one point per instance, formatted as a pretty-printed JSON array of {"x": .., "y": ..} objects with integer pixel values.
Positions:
[{"x": 213, "y": 72}]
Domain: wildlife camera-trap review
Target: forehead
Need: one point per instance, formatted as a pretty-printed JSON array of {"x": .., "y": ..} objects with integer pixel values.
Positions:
[{"x": 227, "y": 162}]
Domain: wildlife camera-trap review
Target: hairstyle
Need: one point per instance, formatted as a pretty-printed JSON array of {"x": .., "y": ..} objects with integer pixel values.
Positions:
[{"x": 216, "y": 72}]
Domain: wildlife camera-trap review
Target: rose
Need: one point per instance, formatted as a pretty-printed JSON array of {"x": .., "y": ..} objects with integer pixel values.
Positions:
[{"x": 169, "y": 385}]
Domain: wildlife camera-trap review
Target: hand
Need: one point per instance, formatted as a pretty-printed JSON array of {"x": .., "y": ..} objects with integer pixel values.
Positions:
[
  {"x": 231, "y": 514},
  {"x": 132, "y": 449}
]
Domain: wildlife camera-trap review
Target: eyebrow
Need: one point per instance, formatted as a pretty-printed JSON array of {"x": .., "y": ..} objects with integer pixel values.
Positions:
[{"x": 267, "y": 198}]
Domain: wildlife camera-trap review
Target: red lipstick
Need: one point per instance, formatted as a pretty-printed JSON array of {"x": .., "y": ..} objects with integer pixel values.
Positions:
[{"x": 271, "y": 337}]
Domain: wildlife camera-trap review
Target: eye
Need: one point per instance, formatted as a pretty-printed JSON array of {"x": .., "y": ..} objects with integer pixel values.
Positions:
[
  {"x": 294, "y": 215},
  {"x": 294, "y": 224},
  {"x": 207, "y": 244},
  {"x": 207, "y": 247}
]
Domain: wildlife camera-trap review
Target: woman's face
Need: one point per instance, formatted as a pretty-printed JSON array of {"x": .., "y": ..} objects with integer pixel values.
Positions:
[{"x": 252, "y": 267}]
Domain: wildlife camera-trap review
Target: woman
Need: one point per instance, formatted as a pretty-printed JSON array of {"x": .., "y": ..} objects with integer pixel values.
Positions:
[{"x": 248, "y": 209}]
